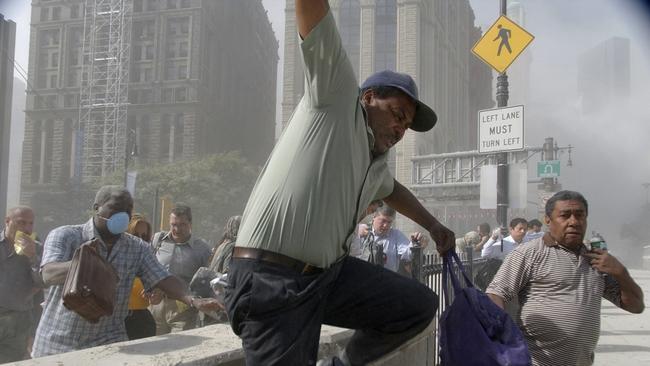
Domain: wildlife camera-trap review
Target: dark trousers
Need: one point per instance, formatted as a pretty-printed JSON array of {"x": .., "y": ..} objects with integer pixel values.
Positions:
[
  {"x": 140, "y": 324},
  {"x": 278, "y": 312},
  {"x": 15, "y": 327}
]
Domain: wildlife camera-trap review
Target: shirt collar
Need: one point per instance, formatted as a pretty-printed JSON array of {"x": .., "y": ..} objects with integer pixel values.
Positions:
[
  {"x": 90, "y": 232},
  {"x": 548, "y": 241},
  {"x": 380, "y": 236},
  {"x": 168, "y": 237}
]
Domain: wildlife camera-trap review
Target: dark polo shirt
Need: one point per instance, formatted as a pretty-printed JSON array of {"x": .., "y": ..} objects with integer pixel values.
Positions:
[{"x": 16, "y": 279}]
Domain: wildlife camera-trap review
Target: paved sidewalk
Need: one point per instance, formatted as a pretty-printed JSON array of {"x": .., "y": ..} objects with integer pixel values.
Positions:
[{"x": 625, "y": 337}]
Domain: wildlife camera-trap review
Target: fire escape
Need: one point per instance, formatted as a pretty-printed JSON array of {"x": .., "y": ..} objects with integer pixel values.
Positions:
[{"x": 104, "y": 87}]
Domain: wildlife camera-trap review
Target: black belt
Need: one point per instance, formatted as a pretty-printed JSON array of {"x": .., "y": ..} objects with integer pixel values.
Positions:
[{"x": 276, "y": 258}]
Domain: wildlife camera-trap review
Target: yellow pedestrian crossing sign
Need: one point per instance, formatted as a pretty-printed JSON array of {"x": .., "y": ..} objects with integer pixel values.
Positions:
[{"x": 502, "y": 43}]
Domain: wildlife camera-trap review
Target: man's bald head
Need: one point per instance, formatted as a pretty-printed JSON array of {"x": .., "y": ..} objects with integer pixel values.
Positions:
[{"x": 19, "y": 218}]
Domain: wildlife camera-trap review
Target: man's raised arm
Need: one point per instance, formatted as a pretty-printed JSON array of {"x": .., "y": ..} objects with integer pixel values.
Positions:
[{"x": 309, "y": 13}]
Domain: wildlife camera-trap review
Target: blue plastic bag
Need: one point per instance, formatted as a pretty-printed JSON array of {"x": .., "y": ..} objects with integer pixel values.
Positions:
[{"x": 473, "y": 330}]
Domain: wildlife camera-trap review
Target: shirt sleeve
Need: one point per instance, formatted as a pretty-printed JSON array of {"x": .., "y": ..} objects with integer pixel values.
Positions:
[
  {"x": 488, "y": 248},
  {"x": 404, "y": 248},
  {"x": 514, "y": 274},
  {"x": 60, "y": 245},
  {"x": 328, "y": 71},
  {"x": 150, "y": 270}
]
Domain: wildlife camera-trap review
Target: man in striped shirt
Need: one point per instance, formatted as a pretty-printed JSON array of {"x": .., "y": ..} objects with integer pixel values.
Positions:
[{"x": 560, "y": 285}]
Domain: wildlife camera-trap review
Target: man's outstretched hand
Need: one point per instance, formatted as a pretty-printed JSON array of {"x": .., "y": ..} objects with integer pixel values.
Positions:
[
  {"x": 445, "y": 239},
  {"x": 207, "y": 304}
]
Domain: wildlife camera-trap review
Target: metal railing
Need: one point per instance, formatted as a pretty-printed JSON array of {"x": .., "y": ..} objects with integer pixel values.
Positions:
[{"x": 428, "y": 268}]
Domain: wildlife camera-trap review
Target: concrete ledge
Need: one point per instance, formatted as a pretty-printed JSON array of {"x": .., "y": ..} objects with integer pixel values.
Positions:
[
  {"x": 213, "y": 345},
  {"x": 418, "y": 351},
  {"x": 218, "y": 345}
]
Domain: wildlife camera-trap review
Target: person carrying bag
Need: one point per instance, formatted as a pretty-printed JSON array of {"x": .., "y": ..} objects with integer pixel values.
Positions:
[
  {"x": 473, "y": 330},
  {"x": 91, "y": 284}
]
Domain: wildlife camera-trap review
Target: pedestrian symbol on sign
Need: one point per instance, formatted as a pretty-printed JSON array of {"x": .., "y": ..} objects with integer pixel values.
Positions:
[{"x": 504, "y": 34}]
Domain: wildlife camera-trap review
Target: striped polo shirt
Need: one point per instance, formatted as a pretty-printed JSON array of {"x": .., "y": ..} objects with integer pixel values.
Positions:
[{"x": 559, "y": 297}]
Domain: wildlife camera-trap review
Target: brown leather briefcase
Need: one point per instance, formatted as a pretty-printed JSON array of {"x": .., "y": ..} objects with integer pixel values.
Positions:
[{"x": 90, "y": 285}]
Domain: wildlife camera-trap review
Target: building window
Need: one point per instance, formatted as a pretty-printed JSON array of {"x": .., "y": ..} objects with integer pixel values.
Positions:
[
  {"x": 148, "y": 74},
  {"x": 70, "y": 101},
  {"x": 169, "y": 71},
  {"x": 53, "y": 80},
  {"x": 183, "y": 49},
  {"x": 56, "y": 13},
  {"x": 171, "y": 51},
  {"x": 386, "y": 35},
  {"x": 136, "y": 50},
  {"x": 182, "y": 71},
  {"x": 73, "y": 78},
  {"x": 135, "y": 74},
  {"x": 49, "y": 37},
  {"x": 73, "y": 57},
  {"x": 181, "y": 94},
  {"x": 152, "y": 5},
  {"x": 144, "y": 30},
  {"x": 36, "y": 151},
  {"x": 350, "y": 26},
  {"x": 51, "y": 101},
  {"x": 167, "y": 95},
  {"x": 74, "y": 11},
  {"x": 43, "y": 60},
  {"x": 49, "y": 153},
  {"x": 148, "y": 52},
  {"x": 146, "y": 96},
  {"x": 41, "y": 80},
  {"x": 178, "y": 26},
  {"x": 68, "y": 141},
  {"x": 54, "y": 59},
  {"x": 45, "y": 14}
]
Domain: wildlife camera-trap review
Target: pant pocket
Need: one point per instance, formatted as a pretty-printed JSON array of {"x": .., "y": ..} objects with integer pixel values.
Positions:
[{"x": 271, "y": 292}]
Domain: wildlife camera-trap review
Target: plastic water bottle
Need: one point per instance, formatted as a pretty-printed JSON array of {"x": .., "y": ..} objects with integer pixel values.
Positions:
[{"x": 597, "y": 242}]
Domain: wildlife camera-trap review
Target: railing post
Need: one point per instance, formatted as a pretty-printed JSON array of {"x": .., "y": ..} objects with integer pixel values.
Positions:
[
  {"x": 416, "y": 263},
  {"x": 470, "y": 261}
]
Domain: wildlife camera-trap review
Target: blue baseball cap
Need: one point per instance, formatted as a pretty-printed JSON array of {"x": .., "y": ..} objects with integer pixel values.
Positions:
[{"x": 425, "y": 118}]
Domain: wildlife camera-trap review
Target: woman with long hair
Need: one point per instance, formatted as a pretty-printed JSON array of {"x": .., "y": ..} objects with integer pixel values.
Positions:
[{"x": 223, "y": 251}]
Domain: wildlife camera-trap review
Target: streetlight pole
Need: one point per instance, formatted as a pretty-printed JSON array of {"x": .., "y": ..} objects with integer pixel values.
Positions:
[
  {"x": 502, "y": 158},
  {"x": 131, "y": 151}
]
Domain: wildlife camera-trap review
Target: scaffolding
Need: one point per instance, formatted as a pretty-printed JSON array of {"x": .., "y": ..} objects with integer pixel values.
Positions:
[{"x": 104, "y": 87}]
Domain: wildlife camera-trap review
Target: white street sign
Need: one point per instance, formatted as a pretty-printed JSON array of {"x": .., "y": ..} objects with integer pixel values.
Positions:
[{"x": 501, "y": 129}]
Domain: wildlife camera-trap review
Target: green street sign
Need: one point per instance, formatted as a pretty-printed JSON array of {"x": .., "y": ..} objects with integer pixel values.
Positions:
[{"x": 548, "y": 169}]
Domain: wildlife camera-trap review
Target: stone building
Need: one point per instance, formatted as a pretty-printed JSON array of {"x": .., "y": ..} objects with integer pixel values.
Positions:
[
  {"x": 202, "y": 80},
  {"x": 7, "y": 43}
]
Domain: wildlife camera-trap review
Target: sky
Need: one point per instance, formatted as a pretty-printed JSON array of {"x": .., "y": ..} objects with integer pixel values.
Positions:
[{"x": 611, "y": 152}]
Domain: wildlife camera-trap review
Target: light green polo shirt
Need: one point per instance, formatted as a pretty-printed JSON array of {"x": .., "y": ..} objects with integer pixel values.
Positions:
[{"x": 320, "y": 177}]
